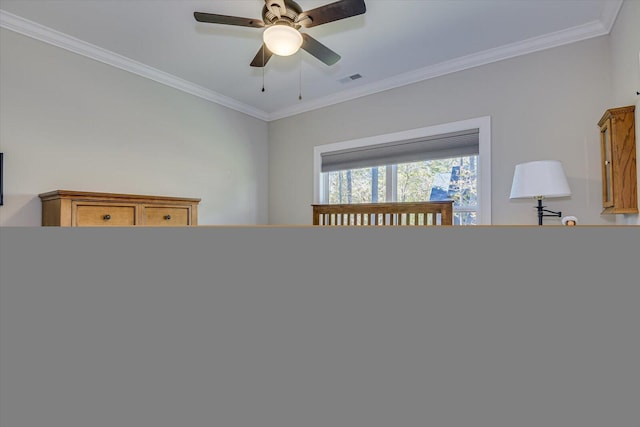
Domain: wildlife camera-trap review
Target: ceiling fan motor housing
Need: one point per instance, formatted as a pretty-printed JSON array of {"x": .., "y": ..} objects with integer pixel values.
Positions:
[{"x": 273, "y": 13}]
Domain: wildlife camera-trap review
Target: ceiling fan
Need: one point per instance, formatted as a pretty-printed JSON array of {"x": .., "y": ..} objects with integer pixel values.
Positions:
[{"x": 282, "y": 20}]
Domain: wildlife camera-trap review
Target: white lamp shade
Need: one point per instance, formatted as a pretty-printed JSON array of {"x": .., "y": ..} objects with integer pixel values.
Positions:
[
  {"x": 542, "y": 178},
  {"x": 282, "y": 40}
]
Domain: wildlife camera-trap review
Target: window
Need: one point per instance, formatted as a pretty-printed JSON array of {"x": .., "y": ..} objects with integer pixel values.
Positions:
[{"x": 450, "y": 161}]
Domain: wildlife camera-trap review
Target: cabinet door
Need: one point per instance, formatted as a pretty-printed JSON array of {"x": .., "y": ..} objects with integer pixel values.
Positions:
[
  {"x": 99, "y": 215},
  {"x": 607, "y": 173},
  {"x": 171, "y": 216}
]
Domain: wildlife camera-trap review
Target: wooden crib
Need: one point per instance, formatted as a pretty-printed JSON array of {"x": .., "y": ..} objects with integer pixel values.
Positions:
[{"x": 392, "y": 214}]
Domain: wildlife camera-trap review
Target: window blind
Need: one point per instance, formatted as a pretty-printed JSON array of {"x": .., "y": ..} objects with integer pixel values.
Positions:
[{"x": 463, "y": 143}]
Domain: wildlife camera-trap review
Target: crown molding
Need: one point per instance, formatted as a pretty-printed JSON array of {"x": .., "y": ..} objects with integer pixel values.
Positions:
[
  {"x": 39, "y": 32},
  {"x": 593, "y": 29},
  {"x": 535, "y": 44},
  {"x": 610, "y": 13}
]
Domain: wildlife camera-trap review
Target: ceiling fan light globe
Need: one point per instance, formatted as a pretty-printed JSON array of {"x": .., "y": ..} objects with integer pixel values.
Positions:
[{"x": 282, "y": 40}]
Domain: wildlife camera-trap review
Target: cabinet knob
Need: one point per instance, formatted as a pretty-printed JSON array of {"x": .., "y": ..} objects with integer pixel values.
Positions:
[
  {"x": 167, "y": 217},
  {"x": 107, "y": 217},
  {"x": 607, "y": 162}
]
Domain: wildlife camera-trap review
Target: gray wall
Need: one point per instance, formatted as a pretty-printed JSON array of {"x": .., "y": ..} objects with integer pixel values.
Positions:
[
  {"x": 625, "y": 54},
  {"x": 544, "y": 105},
  {"x": 69, "y": 122}
]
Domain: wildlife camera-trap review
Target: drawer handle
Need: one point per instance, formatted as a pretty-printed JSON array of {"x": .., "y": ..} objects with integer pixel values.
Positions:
[
  {"x": 107, "y": 217},
  {"x": 167, "y": 217}
]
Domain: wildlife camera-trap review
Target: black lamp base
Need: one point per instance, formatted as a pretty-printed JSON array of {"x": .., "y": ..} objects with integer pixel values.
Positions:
[{"x": 542, "y": 209}]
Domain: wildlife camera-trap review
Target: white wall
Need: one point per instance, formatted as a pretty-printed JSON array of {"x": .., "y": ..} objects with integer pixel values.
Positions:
[
  {"x": 625, "y": 72},
  {"x": 68, "y": 122},
  {"x": 544, "y": 105}
]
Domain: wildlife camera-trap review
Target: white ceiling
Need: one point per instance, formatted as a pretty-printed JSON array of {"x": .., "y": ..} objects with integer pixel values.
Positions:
[{"x": 396, "y": 42}]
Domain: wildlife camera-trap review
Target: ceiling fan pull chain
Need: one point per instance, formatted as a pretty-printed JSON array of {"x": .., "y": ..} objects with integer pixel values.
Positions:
[
  {"x": 263, "y": 68},
  {"x": 300, "y": 81}
]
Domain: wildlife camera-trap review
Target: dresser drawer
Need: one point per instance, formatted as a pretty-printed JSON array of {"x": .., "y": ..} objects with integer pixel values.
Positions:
[
  {"x": 92, "y": 215},
  {"x": 173, "y": 216}
]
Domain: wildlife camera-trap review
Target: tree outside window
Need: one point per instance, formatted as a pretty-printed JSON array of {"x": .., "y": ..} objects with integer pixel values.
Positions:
[{"x": 437, "y": 179}]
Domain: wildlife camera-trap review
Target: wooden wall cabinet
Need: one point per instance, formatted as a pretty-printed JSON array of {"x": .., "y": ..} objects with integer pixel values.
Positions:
[
  {"x": 65, "y": 208},
  {"x": 618, "y": 151}
]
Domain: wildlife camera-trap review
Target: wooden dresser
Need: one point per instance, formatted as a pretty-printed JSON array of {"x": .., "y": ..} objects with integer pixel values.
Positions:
[{"x": 65, "y": 208}]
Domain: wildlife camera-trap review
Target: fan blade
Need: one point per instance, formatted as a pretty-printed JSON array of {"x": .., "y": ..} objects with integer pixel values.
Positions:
[
  {"x": 332, "y": 12},
  {"x": 320, "y": 51},
  {"x": 213, "y": 18},
  {"x": 262, "y": 57}
]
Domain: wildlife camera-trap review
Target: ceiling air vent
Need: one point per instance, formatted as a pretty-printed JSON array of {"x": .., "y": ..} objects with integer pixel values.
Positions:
[{"x": 350, "y": 78}]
